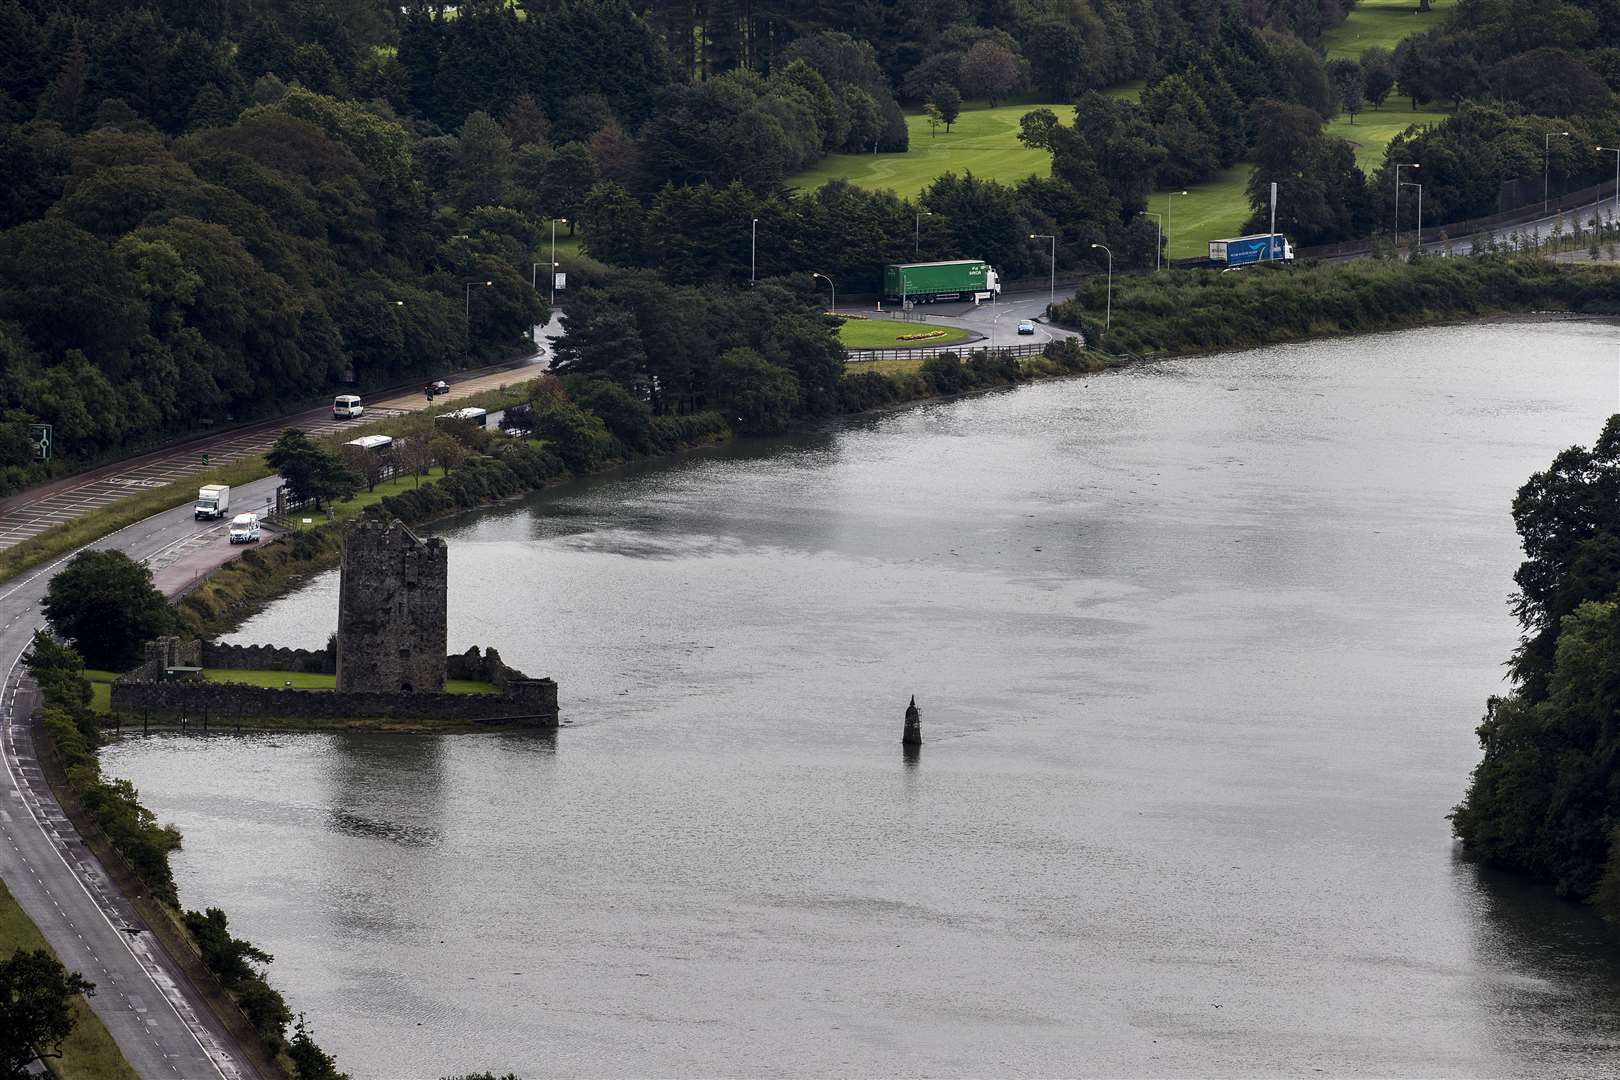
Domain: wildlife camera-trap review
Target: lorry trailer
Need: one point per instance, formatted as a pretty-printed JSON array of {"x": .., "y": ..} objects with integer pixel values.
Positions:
[
  {"x": 1243, "y": 250},
  {"x": 924, "y": 283},
  {"x": 213, "y": 502}
]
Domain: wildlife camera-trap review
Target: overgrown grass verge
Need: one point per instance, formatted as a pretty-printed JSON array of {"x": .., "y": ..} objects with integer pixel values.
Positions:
[
  {"x": 309, "y": 680},
  {"x": 89, "y": 1053}
]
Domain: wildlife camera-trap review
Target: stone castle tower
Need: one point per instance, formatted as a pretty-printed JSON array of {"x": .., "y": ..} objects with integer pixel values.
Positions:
[{"x": 392, "y": 605}]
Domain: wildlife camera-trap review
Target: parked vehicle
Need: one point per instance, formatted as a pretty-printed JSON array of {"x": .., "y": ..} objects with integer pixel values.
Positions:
[
  {"x": 924, "y": 283},
  {"x": 213, "y": 501},
  {"x": 1026, "y": 328},
  {"x": 1244, "y": 250},
  {"x": 347, "y": 407},
  {"x": 245, "y": 529},
  {"x": 475, "y": 417}
]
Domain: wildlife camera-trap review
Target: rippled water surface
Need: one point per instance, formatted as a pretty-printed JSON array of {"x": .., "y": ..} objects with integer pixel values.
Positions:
[{"x": 1200, "y": 648}]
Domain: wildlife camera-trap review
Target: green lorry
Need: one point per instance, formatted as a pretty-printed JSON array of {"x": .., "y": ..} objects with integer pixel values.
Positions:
[{"x": 923, "y": 283}]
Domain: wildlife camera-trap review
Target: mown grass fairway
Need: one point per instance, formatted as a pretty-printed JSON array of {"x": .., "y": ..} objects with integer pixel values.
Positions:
[
  {"x": 303, "y": 680},
  {"x": 1375, "y": 129},
  {"x": 1211, "y": 211},
  {"x": 89, "y": 1053},
  {"x": 887, "y": 334},
  {"x": 1383, "y": 23},
  {"x": 983, "y": 141}
]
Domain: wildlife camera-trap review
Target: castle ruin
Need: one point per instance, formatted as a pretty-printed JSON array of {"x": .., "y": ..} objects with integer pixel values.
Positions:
[{"x": 393, "y": 597}]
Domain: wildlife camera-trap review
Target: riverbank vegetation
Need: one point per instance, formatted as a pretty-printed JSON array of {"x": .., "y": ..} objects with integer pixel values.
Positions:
[
  {"x": 126, "y": 836},
  {"x": 1545, "y": 798},
  {"x": 1181, "y": 311}
]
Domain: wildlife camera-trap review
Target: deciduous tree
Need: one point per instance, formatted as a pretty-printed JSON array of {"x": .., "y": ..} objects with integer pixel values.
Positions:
[{"x": 104, "y": 605}]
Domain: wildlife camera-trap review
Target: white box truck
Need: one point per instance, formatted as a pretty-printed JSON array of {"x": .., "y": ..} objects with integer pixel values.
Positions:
[{"x": 213, "y": 502}]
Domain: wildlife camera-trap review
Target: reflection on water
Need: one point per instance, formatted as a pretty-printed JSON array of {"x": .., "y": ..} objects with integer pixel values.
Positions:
[{"x": 1200, "y": 648}]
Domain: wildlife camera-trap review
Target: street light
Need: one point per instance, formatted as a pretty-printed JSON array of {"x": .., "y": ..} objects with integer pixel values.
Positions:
[
  {"x": 1420, "y": 212},
  {"x": 466, "y": 346},
  {"x": 1170, "y": 217},
  {"x": 1398, "y": 168},
  {"x": 1616, "y": 152},
  {"x": 1158, "y": 235},
  {"x": 753, "y": 249},
  {"x": 1051, "y": 291},
  {"x": 830, "y": 285},
  {"x": 916, "y": 232},
  {"x": 553, "y": 301},
  {"x": 1546, "y": 165},
  {"x": 1108, "y": 317}
]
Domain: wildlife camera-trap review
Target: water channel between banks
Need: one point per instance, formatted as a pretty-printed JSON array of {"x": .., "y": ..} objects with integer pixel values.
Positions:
[{"x": 1200, "y": 646}]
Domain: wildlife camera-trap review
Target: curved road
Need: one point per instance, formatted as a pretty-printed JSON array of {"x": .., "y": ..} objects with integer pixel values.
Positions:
[
  {"x": 995, "y": 324},
  {"x": 145, "y": 1002}
]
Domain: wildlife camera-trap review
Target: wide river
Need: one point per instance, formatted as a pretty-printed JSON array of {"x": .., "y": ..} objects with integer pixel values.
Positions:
[{"x": 1200, "y": 648}]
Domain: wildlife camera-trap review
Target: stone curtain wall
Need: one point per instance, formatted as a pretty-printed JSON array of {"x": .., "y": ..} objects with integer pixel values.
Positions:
[
  {"x": 525, "y": 702},
  {"x": 393, "y": 600},
  {"x": 266, "y": 658}
]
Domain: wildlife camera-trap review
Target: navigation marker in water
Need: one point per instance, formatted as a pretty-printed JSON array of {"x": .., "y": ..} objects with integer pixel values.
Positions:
[{"x": 913, "y": 733}]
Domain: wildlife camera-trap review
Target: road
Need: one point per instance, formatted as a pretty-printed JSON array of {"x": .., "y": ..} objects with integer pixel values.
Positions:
[
  {"x": 32, "y": 512},
  {"x": 995, "y": 324},
  {"x": 162, "y": 1028}
]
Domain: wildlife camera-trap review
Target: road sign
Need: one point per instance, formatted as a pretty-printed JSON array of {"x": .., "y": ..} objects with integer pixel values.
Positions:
[
  {"x": 561, "y": 280},
  {"x": 40, "y": 436}
]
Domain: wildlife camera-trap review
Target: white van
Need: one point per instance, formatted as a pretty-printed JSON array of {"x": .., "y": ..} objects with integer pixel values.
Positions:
[
  {"x": 346, "y": 407},
  {"x": 245, "y": 529}
]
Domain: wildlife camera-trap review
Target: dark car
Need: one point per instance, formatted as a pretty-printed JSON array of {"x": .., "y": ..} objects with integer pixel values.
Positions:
[
  {"x": 1026, "y": 328},
  {"x": 433, "y": 389}
]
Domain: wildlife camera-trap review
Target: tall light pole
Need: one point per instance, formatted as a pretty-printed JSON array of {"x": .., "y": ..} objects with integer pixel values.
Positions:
[
  {"x": 830, "y": 285},
  {"x": 1170, "y": 217},
  {"x": 1420, "y": 212},
  {"x": 1158, "y": 236},
  {"x": 553, "y": 301},
  {"x": 1108, "y": 317},
  {"x": 1398, "y": 168},
  {"x": 1051, "y": 289},
  {"x": 1546, "y": 165},
  {"x": 1616, "y": 152},
  {"x": 753, "y": 249},
  {"x": 916, "y": 232},
  {"x": 466, "y": 318},
  {"x": 534, "y": 277}
]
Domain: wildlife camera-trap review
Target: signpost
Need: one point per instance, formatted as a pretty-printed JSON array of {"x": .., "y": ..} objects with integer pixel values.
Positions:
[{"x": 40, "y": 436}]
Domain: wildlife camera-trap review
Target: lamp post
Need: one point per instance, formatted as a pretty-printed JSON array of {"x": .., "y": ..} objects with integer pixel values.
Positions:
[
  {"x": 753, "y": 249},
  {"x": 830, "y": 285},
  {"x": 1546, "y": 165},
  {"x": 1108, "y": 316},
  {"x": 1051, "y": 289},
  {"x": 1420, "y": 212},
  {"x": 1158, "y": 236},
  {"x": 1170, "y": 217},
  {"x": 1398, "y": 168},
  {"x": 466, "y": 318},
  {"x": 916, "y": 232},
  {"x": 1616, "y": 152},
  {"x": 534, "y": 277},
  {"x": 553, "y": 301}
]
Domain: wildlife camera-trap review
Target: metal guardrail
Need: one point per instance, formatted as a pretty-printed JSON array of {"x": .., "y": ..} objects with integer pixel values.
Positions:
[{"x": 861, "y": 356}]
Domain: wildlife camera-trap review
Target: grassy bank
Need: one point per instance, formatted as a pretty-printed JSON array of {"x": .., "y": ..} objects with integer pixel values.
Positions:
[
  {"x": 1186, "y": 311},
  {"x": 89, "y": 1053},
  {"x": 308, "y": 680}
]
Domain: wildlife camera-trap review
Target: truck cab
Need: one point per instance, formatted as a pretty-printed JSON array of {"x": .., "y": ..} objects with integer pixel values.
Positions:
[{"x": 245, "y": 529}]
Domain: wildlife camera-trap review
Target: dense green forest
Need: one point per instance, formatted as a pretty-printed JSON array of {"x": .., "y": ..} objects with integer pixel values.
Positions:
[
  {"x": 1546, "y": 797},
  {"x": 219, "y": 211}
]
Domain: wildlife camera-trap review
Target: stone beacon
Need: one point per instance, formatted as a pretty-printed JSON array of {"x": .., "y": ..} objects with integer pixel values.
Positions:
[
  {"x": 913, "y": 732},
  {"x": 393, "y": 598}
]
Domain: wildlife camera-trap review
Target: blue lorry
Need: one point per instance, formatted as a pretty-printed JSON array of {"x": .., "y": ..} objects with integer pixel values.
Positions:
[{"x": 1243, "y": 250}]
